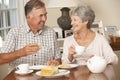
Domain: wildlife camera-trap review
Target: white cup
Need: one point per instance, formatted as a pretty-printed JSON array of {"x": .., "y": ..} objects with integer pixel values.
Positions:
[
  {"x": 79, "y": 49},
  {"x": 23, "y": 68}
]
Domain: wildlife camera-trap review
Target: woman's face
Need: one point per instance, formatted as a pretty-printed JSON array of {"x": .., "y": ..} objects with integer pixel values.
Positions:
[{"x": 77, "y": 24}]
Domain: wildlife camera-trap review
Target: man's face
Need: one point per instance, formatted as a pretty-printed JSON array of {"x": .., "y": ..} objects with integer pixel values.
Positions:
[{"x": 36, "y": 18}]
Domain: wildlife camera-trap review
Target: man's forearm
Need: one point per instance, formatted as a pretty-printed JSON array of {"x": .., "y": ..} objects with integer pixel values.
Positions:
[{"x": 8, "y": 57}]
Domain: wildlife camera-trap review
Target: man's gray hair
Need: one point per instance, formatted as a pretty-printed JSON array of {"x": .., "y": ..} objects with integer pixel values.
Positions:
[{"x": 33, "y": 4}]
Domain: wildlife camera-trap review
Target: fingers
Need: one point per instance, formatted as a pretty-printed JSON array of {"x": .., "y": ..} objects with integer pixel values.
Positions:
[
  {"x": 72, "y": 46},
  {"x": 71, "y": 52},
  {"x": 35, "y": 46},
  {"x": 53, "y": 63},
  {"x": 31, "y": 48},
  {"x": 71, "y": 49},
  {"x": 89, "y": 57}
]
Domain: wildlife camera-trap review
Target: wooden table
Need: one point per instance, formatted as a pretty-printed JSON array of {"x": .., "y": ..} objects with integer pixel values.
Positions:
[{"x": 79, "y": 73}]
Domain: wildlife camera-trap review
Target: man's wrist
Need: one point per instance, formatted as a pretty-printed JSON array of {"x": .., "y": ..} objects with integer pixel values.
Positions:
[{"x": 20, "y": 53}]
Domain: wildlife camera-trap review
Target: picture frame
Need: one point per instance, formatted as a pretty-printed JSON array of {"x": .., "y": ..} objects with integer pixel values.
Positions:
[
  {"x": 97, "y": 26},
  {"x": 58, "y": 32},
  {"x": 68, "y": 33}
]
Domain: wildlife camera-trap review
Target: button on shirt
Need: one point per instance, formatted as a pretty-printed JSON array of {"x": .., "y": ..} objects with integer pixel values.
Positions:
[{"x": 19, "y": 37}]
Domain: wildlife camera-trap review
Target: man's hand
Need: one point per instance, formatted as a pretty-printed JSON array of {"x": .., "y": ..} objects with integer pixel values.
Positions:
[
  {"x": 55, "y": 62},
  {"x": 30, "y": 49}
]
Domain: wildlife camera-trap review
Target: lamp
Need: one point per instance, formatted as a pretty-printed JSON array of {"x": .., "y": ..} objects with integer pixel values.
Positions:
[
  {"x": 64, "y": 20},
  {"x": 61, "y": 3}
]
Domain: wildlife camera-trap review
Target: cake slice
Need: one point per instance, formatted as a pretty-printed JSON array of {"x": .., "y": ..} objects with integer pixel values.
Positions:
[
  {"x": 49, "y": 70},
  {"x": 64, "y": 65}
]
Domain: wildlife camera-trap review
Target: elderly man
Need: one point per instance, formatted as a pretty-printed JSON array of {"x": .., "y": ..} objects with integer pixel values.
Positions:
[{"x": 34, "y": 37}]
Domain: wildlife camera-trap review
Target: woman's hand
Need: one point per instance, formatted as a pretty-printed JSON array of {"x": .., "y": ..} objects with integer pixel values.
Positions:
[
  {"x": 88, "y": 57},
  {"x": 71, "y": 52}
]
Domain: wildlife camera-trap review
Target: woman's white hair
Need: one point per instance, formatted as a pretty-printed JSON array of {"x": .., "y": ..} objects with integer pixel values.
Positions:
[{"x": 85, "y": 13}]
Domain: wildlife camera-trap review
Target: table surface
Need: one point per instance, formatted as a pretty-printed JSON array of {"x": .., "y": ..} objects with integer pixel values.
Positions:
[{"x": 78, "y": 73}]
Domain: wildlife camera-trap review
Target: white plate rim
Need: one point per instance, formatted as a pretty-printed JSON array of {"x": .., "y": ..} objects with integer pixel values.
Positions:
[
  {"x": 37, "y": 67},
  {"x": 63, "y": 73},
  {"x": 17, "y": 72},
  {"x": 71, "y": 66}
]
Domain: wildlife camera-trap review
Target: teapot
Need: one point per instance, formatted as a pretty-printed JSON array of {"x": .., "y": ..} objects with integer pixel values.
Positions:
[{"x": 96, "y": 64}]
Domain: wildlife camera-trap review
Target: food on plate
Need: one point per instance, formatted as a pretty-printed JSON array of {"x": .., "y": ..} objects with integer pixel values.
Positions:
[
  {"x": 64, "y": 65},
  {"x": 49, "y": 70}
]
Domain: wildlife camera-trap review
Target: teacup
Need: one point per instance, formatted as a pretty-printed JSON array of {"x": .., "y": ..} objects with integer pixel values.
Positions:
[
  {"x": 23, "y": 68},
  {"x": 79, "y": 49}
]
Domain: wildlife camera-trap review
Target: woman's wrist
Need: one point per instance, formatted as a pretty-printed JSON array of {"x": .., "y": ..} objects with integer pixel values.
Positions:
[{"x": 70, "y": 57}]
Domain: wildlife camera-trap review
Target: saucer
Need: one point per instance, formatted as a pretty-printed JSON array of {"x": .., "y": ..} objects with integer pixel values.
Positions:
[{"x": 21, "y": 73}]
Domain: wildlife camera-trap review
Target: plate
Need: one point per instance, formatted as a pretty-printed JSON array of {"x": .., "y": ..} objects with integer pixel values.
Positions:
[
  {"x": 36, "y": 67},
  {"x": 21, "y": 73},
  {"x": 70, "y": 66},
  {"x": 61, "y": 73}
]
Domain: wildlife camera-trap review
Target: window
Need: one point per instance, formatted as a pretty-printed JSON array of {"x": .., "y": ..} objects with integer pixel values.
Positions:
[{"x": 8, "y": 16}]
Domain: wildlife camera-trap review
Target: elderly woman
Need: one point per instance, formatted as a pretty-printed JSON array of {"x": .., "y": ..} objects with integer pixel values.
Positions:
[{"x": 82, "y": 18}]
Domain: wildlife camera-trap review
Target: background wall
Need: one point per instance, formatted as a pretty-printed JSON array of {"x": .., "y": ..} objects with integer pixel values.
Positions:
[{"x": 106, "y": 10}]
